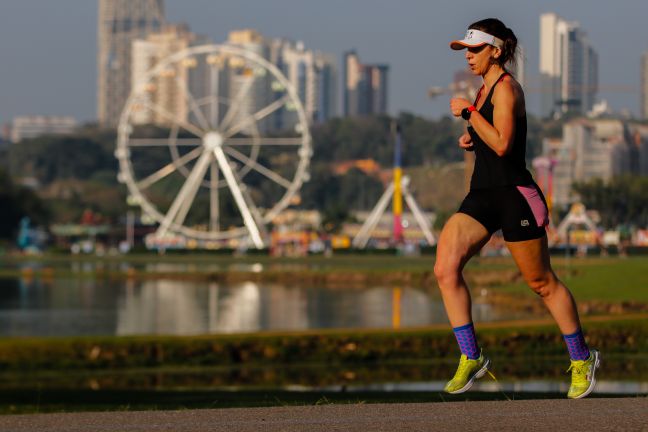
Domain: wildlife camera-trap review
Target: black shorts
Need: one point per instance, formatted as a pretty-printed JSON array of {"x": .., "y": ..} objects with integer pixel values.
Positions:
[{"x": 519, "y": 211}]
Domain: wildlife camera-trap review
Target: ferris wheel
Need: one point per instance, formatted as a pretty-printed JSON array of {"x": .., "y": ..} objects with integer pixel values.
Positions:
[{"x": 213, "y": 143}]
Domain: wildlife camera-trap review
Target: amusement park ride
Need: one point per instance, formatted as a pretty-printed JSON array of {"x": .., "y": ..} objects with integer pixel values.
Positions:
[
  {"x": 396, "y": 190},
  {"x": 218, "y": 151}
]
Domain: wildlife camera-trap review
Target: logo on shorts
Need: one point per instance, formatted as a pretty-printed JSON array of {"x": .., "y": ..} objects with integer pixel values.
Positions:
[{"x": 524, "y": 222}]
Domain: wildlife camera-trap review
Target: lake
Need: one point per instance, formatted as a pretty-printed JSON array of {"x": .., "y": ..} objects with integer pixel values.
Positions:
[{"x": 81, "y": 304}]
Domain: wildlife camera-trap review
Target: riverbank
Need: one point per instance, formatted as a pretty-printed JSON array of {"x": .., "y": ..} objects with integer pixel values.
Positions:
[
  {"x": 303, "y": 368},
  {"x": 626, "y": 335}
]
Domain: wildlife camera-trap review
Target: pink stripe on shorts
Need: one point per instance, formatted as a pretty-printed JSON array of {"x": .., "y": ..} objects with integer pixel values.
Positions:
[{"x": 538, "y": 207}]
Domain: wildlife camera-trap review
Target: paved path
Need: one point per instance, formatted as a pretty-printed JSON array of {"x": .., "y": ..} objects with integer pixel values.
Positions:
[{"x": 622, "y": 414}]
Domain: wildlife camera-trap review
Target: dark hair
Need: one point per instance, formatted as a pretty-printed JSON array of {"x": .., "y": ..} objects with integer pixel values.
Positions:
[{"x": 495, "y": 27}]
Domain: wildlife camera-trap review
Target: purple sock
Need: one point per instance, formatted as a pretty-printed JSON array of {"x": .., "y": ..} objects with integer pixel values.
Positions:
[
  {"x": 578, "y": 349},
  {"x": 467, "y": 340}
]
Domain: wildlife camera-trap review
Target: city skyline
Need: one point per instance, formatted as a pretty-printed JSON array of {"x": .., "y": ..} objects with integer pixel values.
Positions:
[{"x": 51, "y": 69}]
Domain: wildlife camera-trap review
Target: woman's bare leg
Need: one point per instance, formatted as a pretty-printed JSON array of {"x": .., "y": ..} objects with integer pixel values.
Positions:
[
  {"x": 532, "y": 258},
  {"x": 461, "y": 238}
]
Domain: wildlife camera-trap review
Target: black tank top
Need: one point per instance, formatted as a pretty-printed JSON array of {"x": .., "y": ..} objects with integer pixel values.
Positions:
[{"x": 492, "y": 170}]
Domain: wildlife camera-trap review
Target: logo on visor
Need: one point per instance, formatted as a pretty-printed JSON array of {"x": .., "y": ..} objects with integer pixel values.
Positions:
[
  {"x": 524, "y": 222},
  {"x": 469, "y": 35}
]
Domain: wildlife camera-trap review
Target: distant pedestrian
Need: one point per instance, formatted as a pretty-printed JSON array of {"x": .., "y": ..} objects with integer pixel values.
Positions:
[{"x": 502, "y": 196}]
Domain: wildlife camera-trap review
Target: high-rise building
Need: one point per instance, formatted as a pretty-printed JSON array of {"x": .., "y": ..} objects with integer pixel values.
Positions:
[
  {"x": 590, "y": 149},
  {"x": 351, "y": 76},
  {"x": 169, "y": 90},
  {"x": 326, "y": 88},
  {"x": 378, "y": 76},
  {"x": 365, "y": 89},
  {"x": 568, "y": 67},
  {"x": 639, "y": 138},
  {"x": 644, "y": 86},
  {"x": 312, "y": 73},
  {"x": 120, "y": 23}
]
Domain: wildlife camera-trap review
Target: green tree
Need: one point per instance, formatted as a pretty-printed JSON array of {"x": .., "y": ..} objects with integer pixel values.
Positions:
[
  {"x": 622, "y": 200},
  {"x": 17, "y": 202},
  {"x": 50, "y": 158},
  {"x": 354, "y": 190}
]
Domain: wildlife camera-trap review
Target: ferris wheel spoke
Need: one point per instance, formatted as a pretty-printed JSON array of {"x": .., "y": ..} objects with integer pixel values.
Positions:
[
  {"x": 192, "y": 103},
  {"x": 249, "y": 212},
  {"x": 236, "y": 103},
  {"x": 159, "y": 142},
  {"x": 180, "y": 206},
  {"x": 264, "y": 141},
  {"x": 259, "y": 115},
  {"x": 169, "y": 116},
  {"x": 213, "y": 197},
  {"x": 169, "y": 168},
  {"x": 259, "y": 168},
  {"x": 213, "y": 99}
]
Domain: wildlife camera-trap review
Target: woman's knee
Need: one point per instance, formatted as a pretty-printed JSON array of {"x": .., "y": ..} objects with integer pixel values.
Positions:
[
  {"x": 544, "y": 284},
  {"x": 447, "y": 273}
]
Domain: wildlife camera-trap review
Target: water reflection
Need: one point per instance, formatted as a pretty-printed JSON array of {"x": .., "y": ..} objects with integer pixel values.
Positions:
[
  {"x": 80, "y": 306},
  {"x": 159, "y": 308},
  {"x": 173, "y": 307}
]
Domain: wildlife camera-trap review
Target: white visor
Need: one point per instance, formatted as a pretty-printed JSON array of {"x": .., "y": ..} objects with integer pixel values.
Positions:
[{"x": 475, "y": 38}]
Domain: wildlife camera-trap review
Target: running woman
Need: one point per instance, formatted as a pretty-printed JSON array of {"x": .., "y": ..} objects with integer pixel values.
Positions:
[{"x": 502, "y": 196}]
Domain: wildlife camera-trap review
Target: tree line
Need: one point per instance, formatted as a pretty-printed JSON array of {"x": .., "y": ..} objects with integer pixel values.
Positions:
[
  {"x": 621, "y": 201},
  {"x": 85, "y": 165}
]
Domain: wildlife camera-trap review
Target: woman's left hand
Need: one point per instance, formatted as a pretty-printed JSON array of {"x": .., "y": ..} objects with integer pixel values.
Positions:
[{"x": 457, "y": 105}]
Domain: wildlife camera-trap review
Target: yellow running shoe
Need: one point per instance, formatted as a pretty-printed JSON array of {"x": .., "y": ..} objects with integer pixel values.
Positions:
[
  {"x": 467, "y": 372},
  {"x": 583, "y": 375}
]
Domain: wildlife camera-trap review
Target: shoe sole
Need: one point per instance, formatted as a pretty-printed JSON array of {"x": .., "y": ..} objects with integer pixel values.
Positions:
[
  {"x": 597, "y": 362},
  {"x": 480, "y": 373}
]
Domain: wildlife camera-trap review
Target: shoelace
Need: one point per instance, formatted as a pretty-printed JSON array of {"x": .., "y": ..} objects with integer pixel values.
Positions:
[
  {"x": 464, "y": 367},
  {"x": 579, "y": 372},
  {"x": 499, "y": 386}
]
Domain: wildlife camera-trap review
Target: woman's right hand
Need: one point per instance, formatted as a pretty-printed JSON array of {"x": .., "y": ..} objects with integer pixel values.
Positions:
[{"x": 465, "y": 142}]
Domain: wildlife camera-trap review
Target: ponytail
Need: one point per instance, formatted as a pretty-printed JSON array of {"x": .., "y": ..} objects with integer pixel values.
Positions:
[{"x": 495, "y": 27}]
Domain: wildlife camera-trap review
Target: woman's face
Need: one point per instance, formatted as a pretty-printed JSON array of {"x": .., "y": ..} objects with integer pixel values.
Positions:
[{"x": 480, "y": 58}]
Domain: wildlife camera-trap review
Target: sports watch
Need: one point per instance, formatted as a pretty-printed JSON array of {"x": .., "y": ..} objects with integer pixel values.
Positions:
[{"x": 466, "y": 112}]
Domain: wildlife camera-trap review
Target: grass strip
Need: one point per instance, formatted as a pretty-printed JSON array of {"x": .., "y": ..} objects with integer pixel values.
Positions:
[{"x": 627, "y": 335}]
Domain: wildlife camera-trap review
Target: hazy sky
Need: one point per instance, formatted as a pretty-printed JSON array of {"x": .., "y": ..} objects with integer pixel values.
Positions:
[{"x": 48, "y": 47}]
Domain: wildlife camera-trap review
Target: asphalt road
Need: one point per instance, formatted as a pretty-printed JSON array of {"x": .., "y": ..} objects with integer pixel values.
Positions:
[{"x": 618, "y": 414}]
